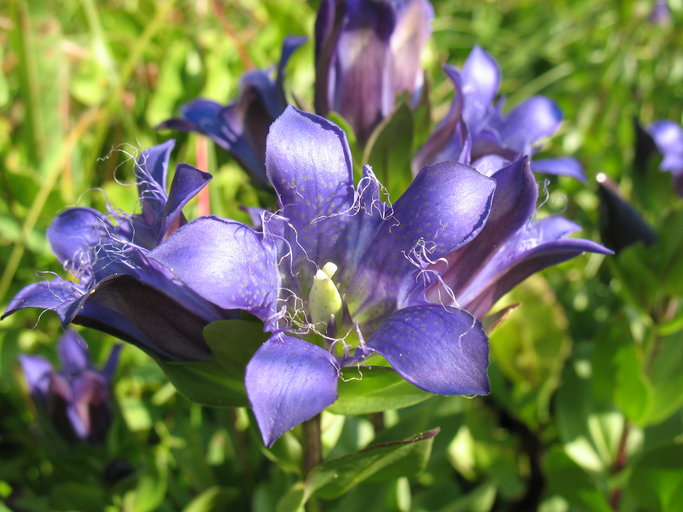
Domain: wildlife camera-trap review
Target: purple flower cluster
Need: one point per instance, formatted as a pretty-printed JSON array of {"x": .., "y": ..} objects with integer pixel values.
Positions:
[
  {"x": 75, "y": 399},
  {"x": 336, "y": 274},
  {"x": 477, "y": 132}
]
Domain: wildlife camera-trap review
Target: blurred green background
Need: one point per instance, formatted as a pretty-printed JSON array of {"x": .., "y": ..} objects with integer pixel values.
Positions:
[{"x": 587, "y": 375}]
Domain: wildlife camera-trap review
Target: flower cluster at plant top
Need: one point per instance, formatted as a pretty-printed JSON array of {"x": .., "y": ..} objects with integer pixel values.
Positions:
[
  {"x": 74, "y": 399},
  {"x": 336, "y": 274},
  {"x": 365, "y": 90},
  {"x": 477, "y": 132}
]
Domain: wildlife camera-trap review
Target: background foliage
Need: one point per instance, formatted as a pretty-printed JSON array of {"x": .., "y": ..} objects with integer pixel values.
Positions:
[{"x": 585, "y": 412}]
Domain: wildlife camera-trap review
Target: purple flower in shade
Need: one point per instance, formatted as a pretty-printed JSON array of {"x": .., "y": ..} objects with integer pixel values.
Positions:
[
  {"x": 242, "y": 126},
  {"x": 661, "y": 13},
  {"x": 476, "y": 132},
  {"x": 366, "y": 53},
  {"x": 621, "y": 224},
  {"x": 75, "y": 399},
  {"x": 337, "y": 275},
  {"x": 118, "y": 288},
  {"x": 668, "y": 137}
]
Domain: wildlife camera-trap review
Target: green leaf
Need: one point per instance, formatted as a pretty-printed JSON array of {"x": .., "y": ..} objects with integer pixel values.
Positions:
[
  {"x": 205, "y": 382},
  {"x": 666, "y": 379},
  {"x": 656, "y": 483},
  {"x": 151, "y": 489},
  {"x": 530, "y": 348},
  {"x": 575, "y": 485},
  {"x": 366, "y": 390},
  {"x": 590, "y": 429},
  {"x": 390, "y": 151},
  {"x": 294, "y": 499},
  {"x": 633, "y": 394},
  {"x": 77, "y": 496},
  {"x": 233, "y": 343},
  {"x": 385, "y": 461},
  {"x": 214, "y": 498}
]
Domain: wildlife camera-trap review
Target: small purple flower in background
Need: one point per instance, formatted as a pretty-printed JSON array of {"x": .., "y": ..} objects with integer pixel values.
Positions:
[
  {"x": 343, "y": 275},
  {"x": 76, "y": 398},
  {"x": 118, "y": 288},
  {"x": 242, "y": 126},
  {"x": 661, "y": 13},
  {"x": 477, "y": 132},
  {"x": 366, "y": 54},
  {"x": 668, "y": 137}
]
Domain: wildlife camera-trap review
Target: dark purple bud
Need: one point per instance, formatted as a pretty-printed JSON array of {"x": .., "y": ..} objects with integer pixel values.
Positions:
[{"x": 621, "y": 225}]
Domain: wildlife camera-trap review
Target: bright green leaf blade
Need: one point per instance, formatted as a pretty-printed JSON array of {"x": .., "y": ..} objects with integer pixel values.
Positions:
[
  {"x": 233, "y": 342},
  {"x": 205, "y": 382},
  {"x": 575, "y": 485},
  {"x": 214, "y": 498},
  {"x": 374, "y": 389},
  {"x": 389, "y": 151},
  {"x": 385, "y": 461},
  {"x": 657, "y": 479}
]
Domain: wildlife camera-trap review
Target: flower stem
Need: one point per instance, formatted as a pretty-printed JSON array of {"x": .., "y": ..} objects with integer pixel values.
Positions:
[{"x": 313, "y": 454}]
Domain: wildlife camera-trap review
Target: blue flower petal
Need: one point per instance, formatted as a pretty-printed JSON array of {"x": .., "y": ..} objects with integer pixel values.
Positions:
[
  {"x": 225, "y": 262},
  {"x": 534, "y": 119},
  {"x": 167, "y": 325},
  {"x": 89, "y": 410},
  {"x": 76, "y": 233},
  {"x": 187, "y": 182},
  {"x": 73, "y": 352},
  {"x": 563, "y": 166},
  {"x": 439, "y": 349},
  {"x": 514, "y": 203},
  {"x": 57, "y": 295},
  {"x": 481, "y": 78},
  {"x": 412, "y": 32},
  {"x": 444, "y": 208},
  {"x": 539, "y": 245},
  {"x": 112, "y": 361},
  {"x": 150, "y": 172},
  {"x": 288, "y": 381},
  {"x": 449, "y": 140},
  {"x": 37, "y": 370},
  {"x": 309, "y": 164}
]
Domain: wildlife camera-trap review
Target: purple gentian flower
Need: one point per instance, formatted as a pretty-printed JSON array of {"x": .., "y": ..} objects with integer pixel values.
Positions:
[
  {"x": 118, "y": 288},
  {"x": 366, "y": 54},
  {"x": 661, "y": 13},
  {"x": 477, "y": 132},
  {"x": 668, "y": 137},
  {"x": 75, "y": 398},
  {"x": 338, "y": 275},
  {"x": 242, "y": 126}
]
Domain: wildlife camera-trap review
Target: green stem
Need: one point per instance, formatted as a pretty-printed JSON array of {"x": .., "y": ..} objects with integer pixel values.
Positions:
[{"x": 313, "y": 454}]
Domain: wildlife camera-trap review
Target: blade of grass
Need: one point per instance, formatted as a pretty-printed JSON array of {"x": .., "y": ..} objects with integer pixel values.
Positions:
[
  {"x": 128, "y": 68},
  {"x": 53, "y": 166}
]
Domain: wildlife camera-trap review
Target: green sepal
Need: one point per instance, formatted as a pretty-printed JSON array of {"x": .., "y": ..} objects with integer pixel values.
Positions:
[{"x": 371, "y": 389}]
